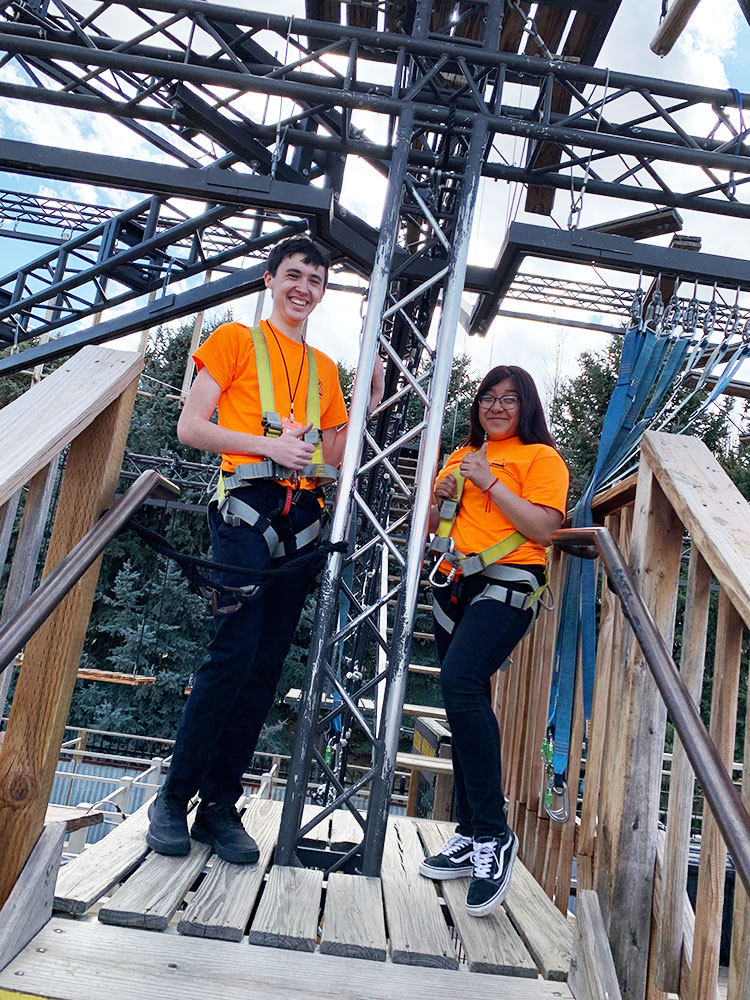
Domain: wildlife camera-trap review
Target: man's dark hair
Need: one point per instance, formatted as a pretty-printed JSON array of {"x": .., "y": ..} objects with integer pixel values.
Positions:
[{"x": 313, "y": 254}]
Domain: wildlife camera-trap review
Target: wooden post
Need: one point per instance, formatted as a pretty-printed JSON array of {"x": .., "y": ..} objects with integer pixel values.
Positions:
[
  {"x": 629, "y": 802},
  {"x": 26, "y": 555},
  {"x": 668, "y": 957},
  {"x": 739, "y": 956},
  {"x": 592, "y": 972},
  {"x": 46, "y": 681},
  {"x": 712, "y": 870}
]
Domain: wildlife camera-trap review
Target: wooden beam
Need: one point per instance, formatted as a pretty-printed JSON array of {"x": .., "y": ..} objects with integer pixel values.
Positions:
[
  {"x": 674, "y": 23},
  {"x": 29, "y": 906},
  {"x": 592, "y": 971},
  {"x": 45, "y": 684},
  {"x": 629, "y": 801}
]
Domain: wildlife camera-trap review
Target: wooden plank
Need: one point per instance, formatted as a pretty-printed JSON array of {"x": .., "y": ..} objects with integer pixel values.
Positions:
[
  {"x": 418, "y": 762},
  {"x": 76, "y": 956},
  {"x": 544, "y": 930},
  {"x": 739, "y": 955},
  {"x": 713, "y": 510},
  {"x": 150, "y": 897},
  {"x": 224, "y": 901},
  {"x": 73, "y": 817},
  {"x": 93, "y": 873},
  {"x": 712, "y": 869},
  {"x": 416, "y": 926},
  {"x": 668, "y": 958},
  {"x": 289, "y": 909},
  {"x": 491, "y": 944},
  {"x": 47, "y": 677},
  {"x": 319, "y": 834},
  {"x": 345, "y": 830},
  {"x": 592, "y": 971},
  {"x": 629, "y": 800},
  {"x": 29, "y": 906},
  {"x": 37, "y": 425},
  {"x": 353, "y": 924}
]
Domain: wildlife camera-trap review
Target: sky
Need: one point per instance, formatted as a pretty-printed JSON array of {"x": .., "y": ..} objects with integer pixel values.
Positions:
[{"x": 710, "y": 52}]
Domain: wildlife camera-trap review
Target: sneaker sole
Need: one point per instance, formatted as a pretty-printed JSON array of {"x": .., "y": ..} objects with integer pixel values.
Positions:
[
  {"x": 249, "y": 857},
  {"x": 484, "y": 909},
  {"x": 170, "y": 848},
  {"x": 445, "y": 874}
]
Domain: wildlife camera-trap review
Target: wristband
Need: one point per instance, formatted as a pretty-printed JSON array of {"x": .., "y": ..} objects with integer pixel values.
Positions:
[{"x": 488, "y": 496}]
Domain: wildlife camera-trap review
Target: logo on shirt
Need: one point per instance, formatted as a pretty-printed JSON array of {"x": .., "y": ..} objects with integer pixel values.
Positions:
[
  {"x": 497, "y": 465},
  {"x": 320, "y": 388}
]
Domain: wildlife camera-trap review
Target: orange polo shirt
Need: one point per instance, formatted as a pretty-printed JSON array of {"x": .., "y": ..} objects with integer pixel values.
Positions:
[
  {"x": 535, "y": 472},
  {"x": 229, "y": 356}
]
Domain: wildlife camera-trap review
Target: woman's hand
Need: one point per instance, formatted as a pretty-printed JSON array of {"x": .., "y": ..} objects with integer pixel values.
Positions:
[
  {"x": 476, "y": 468},
  {"x": 446, "y": 489}
]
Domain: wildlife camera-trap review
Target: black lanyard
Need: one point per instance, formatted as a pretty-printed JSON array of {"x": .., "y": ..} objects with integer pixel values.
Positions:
[{"x": 292, "y": 395}]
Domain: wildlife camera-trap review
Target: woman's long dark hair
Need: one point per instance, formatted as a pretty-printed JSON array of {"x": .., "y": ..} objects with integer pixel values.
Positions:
[{"x": 532, "y": 427}]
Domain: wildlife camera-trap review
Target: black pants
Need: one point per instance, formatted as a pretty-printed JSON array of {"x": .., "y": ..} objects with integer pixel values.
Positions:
[
  {"x": 484, "y": 635},
  {"x": 236, "y": 683}
]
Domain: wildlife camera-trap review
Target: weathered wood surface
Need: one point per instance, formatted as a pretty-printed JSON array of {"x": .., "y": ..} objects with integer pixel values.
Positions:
[
  {"x": 29, "y": 906},
  {"x": 353, "y": 923},
  {"x": 150, "y": 897},
  {"x": 739, "y": 956},
  {"x": 345, "y": 830},
  {"x": 592, "y": 971},
  {"x": 713, "y": 510},
  {"x": 544, "y": 930},
  {"x": 491, "y": 944},
  {"x": 319, "y": 835},
  {"x": 668, "y": 957},
  {"x": 93, "y": 873},
  {"x": 222, "y": 905},
  {"x": 629, "y": 800},
  {"x": 419, "y": 762},
  {"x": 712, "y": 869},
  {"x": 37, "y": 425},
  {"x": 46, "y": 680},
  {"x": 688, "y": 918},
  {"x": 73, "y": 817},
  {"x": 288, "y": 912},
  {"x": 417, "y": 930},
  {"x": 140, "y": 964}
]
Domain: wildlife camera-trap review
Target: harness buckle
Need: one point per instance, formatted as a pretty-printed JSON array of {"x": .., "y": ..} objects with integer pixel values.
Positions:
[
  {"x": 449, "y": 578},
  {"x": 448, "y": 510},
  {"x": 472, "y": 564},
  {"x": 272, "y": 425}
]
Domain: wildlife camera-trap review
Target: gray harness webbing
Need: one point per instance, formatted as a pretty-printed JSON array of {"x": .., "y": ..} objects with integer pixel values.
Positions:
[
  {"x": 496, "y": 592},
  {"x": 236, "y": 512}
]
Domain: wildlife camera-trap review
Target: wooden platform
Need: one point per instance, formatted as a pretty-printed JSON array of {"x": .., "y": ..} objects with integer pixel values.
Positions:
[{"x": 392, "y": 922}]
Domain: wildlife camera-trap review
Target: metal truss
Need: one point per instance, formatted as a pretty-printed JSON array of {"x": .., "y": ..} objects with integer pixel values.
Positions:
[
  {"x": 189, "y": 67},
  {"x": 192, "y": 477}
]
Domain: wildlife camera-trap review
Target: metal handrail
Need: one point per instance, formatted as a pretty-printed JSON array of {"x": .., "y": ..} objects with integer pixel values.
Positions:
[
  {"x": 729, "y": 812},
  {"x": 15, "y": 632}
]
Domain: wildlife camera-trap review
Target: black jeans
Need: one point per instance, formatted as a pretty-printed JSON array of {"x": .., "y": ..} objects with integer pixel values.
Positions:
[
  {"x": 484, "y": 635},
  {"x": 236, "y": 683}
]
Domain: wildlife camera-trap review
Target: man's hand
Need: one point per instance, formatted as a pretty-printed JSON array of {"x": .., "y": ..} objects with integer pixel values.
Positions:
[
  {"x": 290, "y": 450},
  {"x": 377, "y": 387},
  {"x": 446, "y": 489},
  {"x": 475, "y": 467}
]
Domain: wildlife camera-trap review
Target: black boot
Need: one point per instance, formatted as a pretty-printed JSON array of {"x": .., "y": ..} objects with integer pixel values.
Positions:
[
  {"x": 222, "y": 828},
  {"x": 168, "y": 832}
]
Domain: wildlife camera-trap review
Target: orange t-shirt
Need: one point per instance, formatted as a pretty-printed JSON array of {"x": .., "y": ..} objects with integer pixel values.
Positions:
[
  {"x": 229, "y": 357},
  {"x": 535, "y": 472}
]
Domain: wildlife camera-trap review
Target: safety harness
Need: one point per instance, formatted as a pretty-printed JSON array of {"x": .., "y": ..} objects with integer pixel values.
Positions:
[
  {"x": 484, "y": 562},
  {"x": 236, "y": 511}
]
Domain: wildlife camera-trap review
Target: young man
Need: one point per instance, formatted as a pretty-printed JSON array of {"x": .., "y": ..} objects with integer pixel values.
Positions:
[{"x": 280, "y": 429}]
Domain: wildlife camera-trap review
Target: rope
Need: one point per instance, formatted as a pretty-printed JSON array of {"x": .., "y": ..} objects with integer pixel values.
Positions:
[{"x": 204, "y": 585}]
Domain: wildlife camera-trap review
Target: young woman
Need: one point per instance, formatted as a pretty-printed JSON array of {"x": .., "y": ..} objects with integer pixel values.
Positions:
[{"x": 511, "y": 486}]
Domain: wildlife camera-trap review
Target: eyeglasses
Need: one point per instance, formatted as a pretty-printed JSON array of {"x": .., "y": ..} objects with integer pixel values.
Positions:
[{"x": 487, "y": 401}]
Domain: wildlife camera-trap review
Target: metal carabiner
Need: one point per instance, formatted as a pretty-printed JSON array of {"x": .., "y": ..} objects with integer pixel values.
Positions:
[
  {"x": 556, "y": 801},
  {"x": 448, "y": 580}
]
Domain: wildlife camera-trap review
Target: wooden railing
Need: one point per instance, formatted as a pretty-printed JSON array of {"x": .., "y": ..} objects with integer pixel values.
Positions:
[
  {"x": 86, "y": 403},
  {"x": 639, "y": 872}
]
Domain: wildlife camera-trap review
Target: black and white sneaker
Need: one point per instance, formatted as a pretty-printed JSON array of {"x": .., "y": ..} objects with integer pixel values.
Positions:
[
  {"x": 493, "y": 860},
  {"x": 453, "y": 860}
]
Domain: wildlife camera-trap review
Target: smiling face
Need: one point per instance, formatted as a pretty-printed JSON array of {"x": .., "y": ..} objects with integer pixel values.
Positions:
[
  {"x": 500, "y": 422},
  {"x": 296, "y": 289}
]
